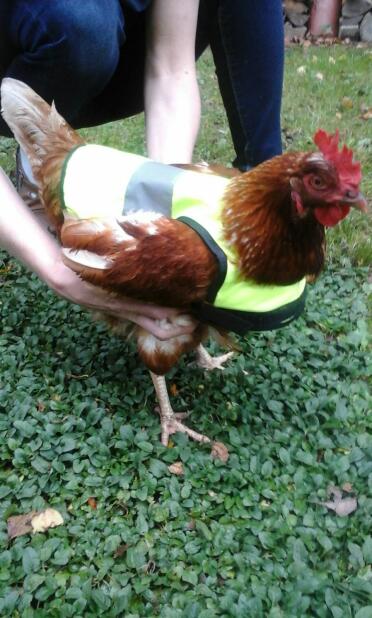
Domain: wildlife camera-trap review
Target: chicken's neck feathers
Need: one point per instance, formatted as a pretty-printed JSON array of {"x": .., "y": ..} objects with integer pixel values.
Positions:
[{"x": 272, "y": 244}]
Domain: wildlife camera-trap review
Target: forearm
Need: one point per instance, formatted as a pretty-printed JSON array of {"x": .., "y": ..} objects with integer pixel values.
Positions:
[
  {"x": 172, "y": 117},
  {"x": 22, "y": 236},
  {"x": 172, "y": 99}
]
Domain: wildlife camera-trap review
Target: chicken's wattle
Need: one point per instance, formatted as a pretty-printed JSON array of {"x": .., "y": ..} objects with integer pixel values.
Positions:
[{"x": 331, "y": 215}]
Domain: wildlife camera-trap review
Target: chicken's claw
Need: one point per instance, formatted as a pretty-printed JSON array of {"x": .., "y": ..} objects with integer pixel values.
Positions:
[
  {"x": 170, "y": 425},
  {"x": 206, "y": 361}
]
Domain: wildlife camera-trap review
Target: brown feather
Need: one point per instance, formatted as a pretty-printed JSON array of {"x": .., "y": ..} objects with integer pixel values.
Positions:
[{"x": 272, "y": 244}]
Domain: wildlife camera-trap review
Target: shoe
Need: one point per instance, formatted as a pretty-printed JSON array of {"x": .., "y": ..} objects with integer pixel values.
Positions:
[{"x": 29, "y": 193}]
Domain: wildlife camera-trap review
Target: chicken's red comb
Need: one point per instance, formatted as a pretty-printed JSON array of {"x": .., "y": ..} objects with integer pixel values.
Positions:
[{"x": 349, "y": 170}]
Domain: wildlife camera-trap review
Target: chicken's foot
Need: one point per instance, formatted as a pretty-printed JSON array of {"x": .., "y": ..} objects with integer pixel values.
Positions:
[
  {"x": 206, "y": 361},
  {"x": 170, "y": 422}
]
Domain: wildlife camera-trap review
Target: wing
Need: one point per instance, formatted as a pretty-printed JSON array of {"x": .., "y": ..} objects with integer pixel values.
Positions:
[{"x": 144, "y": 256}]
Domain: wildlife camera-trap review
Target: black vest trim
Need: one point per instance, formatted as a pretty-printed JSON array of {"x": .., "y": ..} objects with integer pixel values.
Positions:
[
  {"x": 242, "y": 322},
  {"x": 216, "y": 250}
]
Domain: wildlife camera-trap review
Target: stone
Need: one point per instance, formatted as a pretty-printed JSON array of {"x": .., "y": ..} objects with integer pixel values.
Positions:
[
  {"x": 348, "y": 21},
  {"x": 294, "y": 34},
  {"x": 297, "y": 19},
  {"x": 295, "y": 7},
  {"x": 349, "y": 31},
  {"x": 366, "y": 29},
  {"x": 351, "y": 8}
]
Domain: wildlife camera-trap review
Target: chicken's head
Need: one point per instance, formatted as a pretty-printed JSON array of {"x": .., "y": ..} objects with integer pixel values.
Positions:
[{"x": 328, "y": 183}]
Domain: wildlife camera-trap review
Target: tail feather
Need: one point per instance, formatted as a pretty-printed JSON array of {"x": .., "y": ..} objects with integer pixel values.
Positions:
[{"x": 37, "y": 126}]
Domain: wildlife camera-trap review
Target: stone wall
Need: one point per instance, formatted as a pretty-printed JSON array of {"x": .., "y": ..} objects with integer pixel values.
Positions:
[{"x": 355, "y": 23}]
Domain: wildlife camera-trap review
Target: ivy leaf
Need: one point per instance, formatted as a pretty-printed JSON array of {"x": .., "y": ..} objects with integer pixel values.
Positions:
[{"x": 30, "y": 560}]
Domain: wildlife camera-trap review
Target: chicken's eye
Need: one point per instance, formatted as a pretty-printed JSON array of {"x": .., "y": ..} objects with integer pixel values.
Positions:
[{"x": 317, "y": 182}]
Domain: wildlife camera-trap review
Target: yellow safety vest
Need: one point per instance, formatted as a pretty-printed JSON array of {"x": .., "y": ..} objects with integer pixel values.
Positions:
[{"x": 98, "y": 181}]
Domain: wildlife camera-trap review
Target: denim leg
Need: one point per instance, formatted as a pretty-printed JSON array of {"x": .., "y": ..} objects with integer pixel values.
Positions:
[
  {"x": 247, "y": 42},
  {"x": 66, "y": 50},
  {"x": 123, "y": 96}
]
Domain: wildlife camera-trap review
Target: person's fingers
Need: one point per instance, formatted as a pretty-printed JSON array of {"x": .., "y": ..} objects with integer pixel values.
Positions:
[{"x": 162, "y": 322}]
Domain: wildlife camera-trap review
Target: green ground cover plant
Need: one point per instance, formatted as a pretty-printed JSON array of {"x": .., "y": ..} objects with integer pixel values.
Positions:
[{"x": 78, "y": 431}]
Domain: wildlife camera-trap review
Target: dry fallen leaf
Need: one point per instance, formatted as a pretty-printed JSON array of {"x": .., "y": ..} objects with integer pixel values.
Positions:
[
  {"x": 219, "y": 451},
  {"x": 367, "y": 115},
  {"x": 35, "y": 521},
  {"x": 18, "y": 525},
  {"x": 92, "y": 502},
  {"x": 50, "y": 518},
  {"x": 347, "y": 103},
  {"x": 120, "y": 551},
  {"x": 176, "y": 468},
  {"x": 341, "y": 506},
  {"x": 173, "y": 389}
]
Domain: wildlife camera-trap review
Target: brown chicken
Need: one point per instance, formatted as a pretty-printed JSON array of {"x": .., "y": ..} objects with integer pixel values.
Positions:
[{"x": 269, "y": 225}]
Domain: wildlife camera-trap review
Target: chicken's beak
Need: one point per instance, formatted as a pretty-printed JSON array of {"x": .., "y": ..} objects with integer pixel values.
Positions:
[{"x": 355, "y": 199}]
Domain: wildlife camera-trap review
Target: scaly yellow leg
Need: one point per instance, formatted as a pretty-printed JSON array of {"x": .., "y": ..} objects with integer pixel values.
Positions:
[{"x": 170, "y": 422}]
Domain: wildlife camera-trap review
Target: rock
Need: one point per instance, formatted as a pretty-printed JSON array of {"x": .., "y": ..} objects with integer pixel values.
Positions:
[
  {"x": 366, "y": 28},
  {"x": 294, "y": 34},
  {"x": 295, "y": 7},
  {"x": 351, "y": 20},
  {"x": 297, "y": 19},
  {"x": 351, "y": 8},
  {"x": 349, "y": 30}
]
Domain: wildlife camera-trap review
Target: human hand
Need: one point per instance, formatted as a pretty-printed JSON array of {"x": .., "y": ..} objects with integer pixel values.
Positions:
[
  {"x": 159, "y": 321},
  {"x": 26, "y": 239}
]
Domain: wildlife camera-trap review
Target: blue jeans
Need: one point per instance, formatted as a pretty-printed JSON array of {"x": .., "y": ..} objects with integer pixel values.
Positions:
[{"x": 89, "y": 58}]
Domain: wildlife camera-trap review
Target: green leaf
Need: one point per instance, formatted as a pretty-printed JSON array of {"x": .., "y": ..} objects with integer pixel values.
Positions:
[
  {"x": 30, "y": 560},
  {"x": 40, "y": 465},
  {"x": 25, "y": 428},
  {"x": 66, "y": 445},
  {"x": 190, "y": 577},
  {"x": 160, "y": 513},
  {"x": 203, "y": 529},
  {"x": 33, "y": 581},
  {"x": 141, "y": 524},
  {"x": 367, "y": 550},
  {"x": 145, "y": 446},
  {"x": 356, "y": 554},
  {"x": 101, "y": 599},
  {"x": 364, "y": 612},
  {"x": 136, "y": 557}
]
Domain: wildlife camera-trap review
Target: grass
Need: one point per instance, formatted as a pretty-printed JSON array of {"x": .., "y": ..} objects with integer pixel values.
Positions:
[{"x": 246, "y": 538}]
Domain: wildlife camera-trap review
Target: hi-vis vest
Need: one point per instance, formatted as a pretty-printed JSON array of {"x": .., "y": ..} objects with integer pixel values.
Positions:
[{"x": 98, "y": 181}]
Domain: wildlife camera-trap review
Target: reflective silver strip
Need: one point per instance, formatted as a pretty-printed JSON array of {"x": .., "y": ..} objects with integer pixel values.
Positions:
[{"x": 151, "y": 188}]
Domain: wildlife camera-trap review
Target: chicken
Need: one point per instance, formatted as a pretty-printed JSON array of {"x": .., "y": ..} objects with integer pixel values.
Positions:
[{"x": 233, "y": 252}]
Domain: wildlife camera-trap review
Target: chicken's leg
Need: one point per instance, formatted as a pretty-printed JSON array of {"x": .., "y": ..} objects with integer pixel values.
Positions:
[
  {"x": 170, "y": 422},
  {"x": 206, "y": 361}
]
